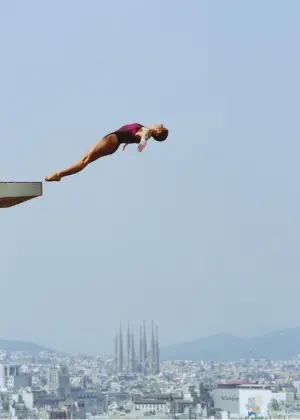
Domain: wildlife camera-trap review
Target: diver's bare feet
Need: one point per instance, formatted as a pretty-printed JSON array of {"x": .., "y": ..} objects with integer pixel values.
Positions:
[{"x": 53, "y": 177}]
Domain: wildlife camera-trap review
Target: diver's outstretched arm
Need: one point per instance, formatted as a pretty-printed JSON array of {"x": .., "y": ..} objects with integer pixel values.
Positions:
[{"x": 145, "y": 136}]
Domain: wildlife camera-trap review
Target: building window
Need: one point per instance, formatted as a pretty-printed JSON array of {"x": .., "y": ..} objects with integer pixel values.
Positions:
[{"x": 11, "y": 371}]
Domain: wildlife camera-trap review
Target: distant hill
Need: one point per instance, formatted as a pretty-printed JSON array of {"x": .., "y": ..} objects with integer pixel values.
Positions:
[
  {"x": 15, "y": 345},
  {"x": 283, "y": 344}
]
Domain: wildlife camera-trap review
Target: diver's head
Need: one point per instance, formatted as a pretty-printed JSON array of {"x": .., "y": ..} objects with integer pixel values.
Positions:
[{"x": 160, "y": 133}]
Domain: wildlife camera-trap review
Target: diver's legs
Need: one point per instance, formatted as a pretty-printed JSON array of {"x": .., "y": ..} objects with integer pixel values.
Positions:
[{"x": 106, "y": 146}]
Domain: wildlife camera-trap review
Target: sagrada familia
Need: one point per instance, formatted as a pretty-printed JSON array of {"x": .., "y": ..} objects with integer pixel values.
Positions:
[{"x": 147, "y": 362}]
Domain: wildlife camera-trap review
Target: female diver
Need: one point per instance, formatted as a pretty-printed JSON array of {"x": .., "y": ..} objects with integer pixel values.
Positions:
[{"x": 128, "y": 134}]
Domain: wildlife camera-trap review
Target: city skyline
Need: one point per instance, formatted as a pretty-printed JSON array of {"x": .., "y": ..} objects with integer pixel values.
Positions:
[
  {"x": 82, "y": 387},
  {"x": 127, "y": 360}
]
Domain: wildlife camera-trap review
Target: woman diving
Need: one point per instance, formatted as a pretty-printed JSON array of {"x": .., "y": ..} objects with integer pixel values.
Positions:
[{"x": 128, "y": 134}]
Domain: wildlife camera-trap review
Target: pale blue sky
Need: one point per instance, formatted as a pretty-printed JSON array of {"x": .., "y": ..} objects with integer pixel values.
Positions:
[{"x": 200, "y": 233}]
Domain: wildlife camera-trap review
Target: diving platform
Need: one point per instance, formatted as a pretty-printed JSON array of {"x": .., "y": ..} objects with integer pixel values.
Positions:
[{"x": 13, "y": 193}]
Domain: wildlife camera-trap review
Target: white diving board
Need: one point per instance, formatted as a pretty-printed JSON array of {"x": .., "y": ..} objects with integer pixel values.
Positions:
[{"x": 13, "y": 193}]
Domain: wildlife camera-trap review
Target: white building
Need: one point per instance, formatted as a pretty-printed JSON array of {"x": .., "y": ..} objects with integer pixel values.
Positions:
[
  {"x": 245, "y": 400},
  {"x": 146, "y": 405},
  {"x": 28, "y": 398},
  {"x": 59, "y": 381},
  {"x": 11, "y": 378},
  {"x": 93, "y": 401}
]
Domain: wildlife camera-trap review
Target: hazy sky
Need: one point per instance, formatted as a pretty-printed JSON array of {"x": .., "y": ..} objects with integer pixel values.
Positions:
[{"x": 201, "y": 233}]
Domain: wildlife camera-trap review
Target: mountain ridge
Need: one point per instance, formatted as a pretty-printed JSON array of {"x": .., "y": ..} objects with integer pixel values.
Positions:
[
  {"x": 281, "y": 344},
  {"x": 19, "y": 345}
]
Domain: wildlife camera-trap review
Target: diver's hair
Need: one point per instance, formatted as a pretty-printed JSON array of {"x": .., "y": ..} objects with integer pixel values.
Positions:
[{"x": 161, "y": 136}]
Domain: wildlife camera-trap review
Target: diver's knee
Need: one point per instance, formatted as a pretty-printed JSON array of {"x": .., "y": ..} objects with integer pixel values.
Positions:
[{"x": 85, "y": 160}]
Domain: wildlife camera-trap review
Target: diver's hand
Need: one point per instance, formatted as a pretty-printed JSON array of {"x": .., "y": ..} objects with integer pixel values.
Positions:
[{"x": 142, "y": 146}]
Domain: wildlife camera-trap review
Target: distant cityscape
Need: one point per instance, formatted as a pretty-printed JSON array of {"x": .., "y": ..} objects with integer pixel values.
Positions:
[
  {"x": 134, "y": 383},
  {"x": 148, "y": 357}
]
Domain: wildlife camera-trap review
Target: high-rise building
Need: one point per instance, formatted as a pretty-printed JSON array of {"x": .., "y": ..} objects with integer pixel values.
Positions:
[
  {"x": 128, "y": 353},
  {"x": 141, "y": 358},
  {"x": 153, "y": 347},
  {"x": 147, "y": 361},
  {"x": 157, "y": 362},
  {"x": 132, "y": 356},
  {"x": 12, "y": 378},
  {"x": 116, "y": 362},
  {"x": 120, "y": 351},
  {"x": 58, "y": 381},
  {"x": 145, "y": 343}
]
